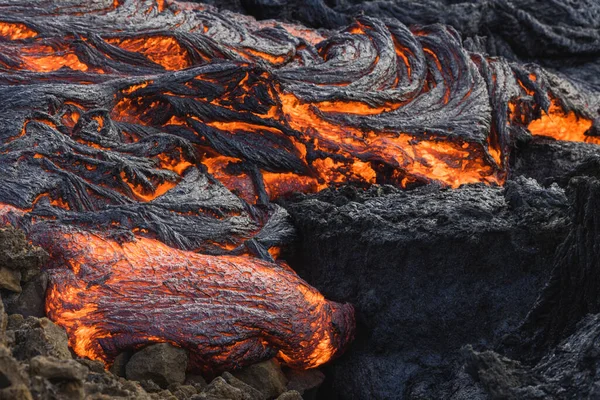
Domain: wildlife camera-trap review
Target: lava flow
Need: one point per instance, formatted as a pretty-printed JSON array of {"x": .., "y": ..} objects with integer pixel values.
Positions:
[{"x": 144, "y": 143}]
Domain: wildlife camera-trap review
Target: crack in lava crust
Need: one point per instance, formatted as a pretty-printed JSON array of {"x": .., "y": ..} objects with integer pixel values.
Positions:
[
  {"x": 228, "y": 311},
  {"x": 148, "y": 124}
]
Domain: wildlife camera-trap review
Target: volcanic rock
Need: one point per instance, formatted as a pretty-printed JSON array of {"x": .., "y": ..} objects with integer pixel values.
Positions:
[
  {"x": 250, "y": 393},
  {"x": 573, "y": 290},
  {"x": 38, "y": 336},
  {"x": 119, "y": 365},
  {"x": 55, "y": 369},
  {"x": 304, "y": 381},
  {"x": 31, "y": 300},
  {"x": 19, "y": 260},
  {"x": 569, "y": 371},
  {"x": 265, "y": 376},
  {"x": 161, "y": 363},
  {"x": 290, "y": 395},
  {"x": 219, "y": 389},
  {"x": 13, "y": 380},
  {"x": 429, "y": 271},
  {"x": 183, "y": 392}
]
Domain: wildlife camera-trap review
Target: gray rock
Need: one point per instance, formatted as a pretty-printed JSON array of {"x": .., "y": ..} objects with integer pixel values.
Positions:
[
  {"x": 302, "y": 381},
  {"x": 119, "y": 365},
  {"x": 38, "y": 336},
  {"x": 570, "y": 371},
  {"x": 16, "y": 253},
  {"x": 220, "y": 389},
  {"x": 265, "y": 376},
  {"x": 183, "y": 392},
  {"x": 56, "y": 369},
  {"x": 13, "y": 380},
  {"x": 31, "y": 300},
  {"x": 290, "y": 395},
  {"x": 10, "y": 279},
  {"x": 196, "y": 380},
  {"x": 161, "y": 363},
  {"x": 249, "y": 392}
]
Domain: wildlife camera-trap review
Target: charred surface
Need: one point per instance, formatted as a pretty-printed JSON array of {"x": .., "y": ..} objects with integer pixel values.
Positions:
[{"x": 428, "y": 271}]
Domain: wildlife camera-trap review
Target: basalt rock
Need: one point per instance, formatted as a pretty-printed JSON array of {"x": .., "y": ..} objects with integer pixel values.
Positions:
[
  {"x": 38, "y": 336},
  {"x": 265, "y": 377},
  {"x": 569, "y": 371},
  {"x": 161, "y": 363},
  {"x": 573, "y": 288},
  {"x": 428, "y": 271}
]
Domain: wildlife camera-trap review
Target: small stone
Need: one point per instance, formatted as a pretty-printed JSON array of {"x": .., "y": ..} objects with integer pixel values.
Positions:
[
  {"x": 265, "y": 376},
  {"x": 150, "y": 386},
  {"x": 183, "y": 392},
  {"x": 93, "y": 365},
  {"x": 249, "y": 392},
  {"x": 220, "y": 389},
  {"x": 163, "y": 395},
  {"x": 31, "y": 301},
  {"x": 55, "y": 369},
  {"x": 38, "y": 337},
  {"x": 162, "y": 363},
  {"x": 196, "y": 380},
  {"x": 16, "y": 392},
  {"x": 118, "y": 366},
  {"x": 12, "y": 379},
  {"x": 290, "y": 395},
  {"x": 303, "y": 381},
  {"x": 10, "y": 279}
]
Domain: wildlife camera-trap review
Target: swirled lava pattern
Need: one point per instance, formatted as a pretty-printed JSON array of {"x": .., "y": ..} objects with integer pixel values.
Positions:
[{"x": 143, "y": 143}]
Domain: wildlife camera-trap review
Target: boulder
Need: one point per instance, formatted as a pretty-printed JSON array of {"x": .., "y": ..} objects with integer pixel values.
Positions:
[
  {"x": 265, "y": 376},
  {"x": 19, "y": 260},
  {"x": 183, "y": 392},
  {"x": 56, "y": 369},
  {"x": 249, "y": 392},
  {"x": 219, "y": 389},
  {"x": 10, "y": 279},
  {"x": 162, "y": 363},
  {"x": 290, "y": 395},
  {"x": 38, "y": 336},
  {"x": 304, "y": 381},
  {"x": 31, "y": 299},
  {"x": 13, "y": 381}
]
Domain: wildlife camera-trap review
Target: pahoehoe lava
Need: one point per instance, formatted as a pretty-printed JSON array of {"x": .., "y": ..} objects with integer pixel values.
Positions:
[{"x": 144, "y": 144}]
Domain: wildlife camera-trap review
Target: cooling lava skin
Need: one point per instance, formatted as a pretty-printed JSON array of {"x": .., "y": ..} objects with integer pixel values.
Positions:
[{"x": 144, "y": 142}]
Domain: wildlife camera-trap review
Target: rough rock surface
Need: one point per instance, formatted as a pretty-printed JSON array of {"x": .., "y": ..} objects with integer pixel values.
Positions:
[
  {"x": 569, "y": 371},
  {"x": 19, "y": 261},
  {"x": 161, "y": 363},
  {"x": 428, "y": 271},
  {"x": 38, "y": 336},
  {"x": 265, "y": 376}
]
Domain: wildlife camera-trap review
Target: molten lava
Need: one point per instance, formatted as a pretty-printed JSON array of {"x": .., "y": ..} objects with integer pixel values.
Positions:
[
  {"x": 226, "y": 311},
  {"x": 169, "y": 127}
]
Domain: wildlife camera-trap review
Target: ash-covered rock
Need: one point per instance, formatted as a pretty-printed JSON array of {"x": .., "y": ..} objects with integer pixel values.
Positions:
[
  {"x": 549, "y": 161},
  {"x": 429, "y": 271},
  {"x": 570, "y": 371}
]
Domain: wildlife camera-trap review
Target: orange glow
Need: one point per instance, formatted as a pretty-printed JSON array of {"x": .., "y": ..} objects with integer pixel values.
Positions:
[
  {"x": 145, "y": 196},
  {"x": 15, "y": 31},
  {"x": 51, "y": 63},
  {"x": 562, "y": 126},
  {"x": 163, "y": 50},
  {"x": 189, "y": 292}
]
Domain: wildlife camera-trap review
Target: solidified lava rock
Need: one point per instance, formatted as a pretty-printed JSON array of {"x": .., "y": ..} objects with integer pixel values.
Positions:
[
  {"x": 428, "y": 270},
  {"x": 573, "y": 288},
  {"x": 569, "y": 371}
]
